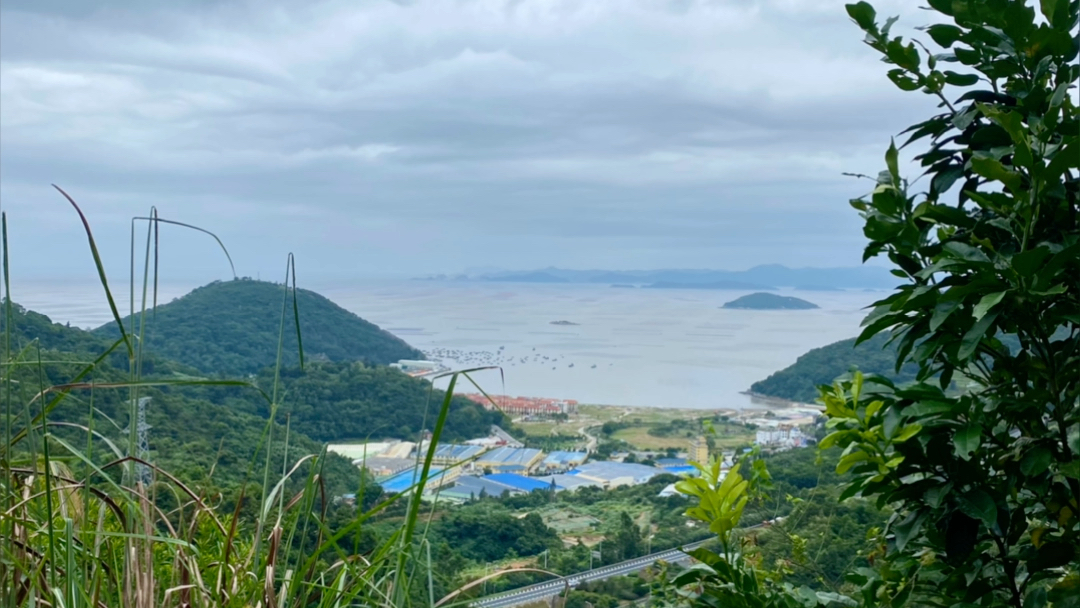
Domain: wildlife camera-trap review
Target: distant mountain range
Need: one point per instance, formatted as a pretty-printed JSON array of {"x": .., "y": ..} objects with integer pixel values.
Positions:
[{"x": 767, "y": 277}]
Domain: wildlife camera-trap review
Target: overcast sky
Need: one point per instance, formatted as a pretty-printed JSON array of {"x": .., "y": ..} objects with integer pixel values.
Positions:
[{"x": 402, "y": 138}]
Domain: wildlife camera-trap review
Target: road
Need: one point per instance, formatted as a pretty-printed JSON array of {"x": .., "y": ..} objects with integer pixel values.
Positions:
[
  {"x": 590, "y": 440},
  {"x": 546, "y": 589}
]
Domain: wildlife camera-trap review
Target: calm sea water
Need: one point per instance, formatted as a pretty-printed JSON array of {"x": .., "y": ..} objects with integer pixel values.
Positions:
[{"x": 642, "y": 347}]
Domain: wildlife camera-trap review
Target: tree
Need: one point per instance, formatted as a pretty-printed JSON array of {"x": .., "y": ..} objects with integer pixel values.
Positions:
[
  {"x": 628, "y": 539},
  {"x": 983, "y": 481},
  {"x": 986, "y": 483}
]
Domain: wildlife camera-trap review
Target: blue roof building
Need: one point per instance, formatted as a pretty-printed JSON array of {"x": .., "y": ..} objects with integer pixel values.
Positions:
[
  {"x": 563, "y": 461},
  {"x": 405, "y": 480},
  {"x": 615, "y": 474},
  {"x": 452, "y": 453},
  {"x": 510, "y": 459},
  {"x": 519, "y": 482}
]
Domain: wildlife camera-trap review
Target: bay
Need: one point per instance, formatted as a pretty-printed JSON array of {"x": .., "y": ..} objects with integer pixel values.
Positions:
[{"x": 633, "y": 347}]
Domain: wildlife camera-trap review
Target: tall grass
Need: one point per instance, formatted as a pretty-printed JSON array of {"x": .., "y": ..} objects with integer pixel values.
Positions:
[{"x": 81, "y": 527}]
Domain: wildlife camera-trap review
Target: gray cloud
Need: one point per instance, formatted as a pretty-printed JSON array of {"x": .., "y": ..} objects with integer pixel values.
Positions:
[{"x": 426, "y": 136}]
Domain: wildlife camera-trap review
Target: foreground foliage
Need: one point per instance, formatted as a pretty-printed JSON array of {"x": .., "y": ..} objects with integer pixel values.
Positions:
[{"x": 984, "y": 484}]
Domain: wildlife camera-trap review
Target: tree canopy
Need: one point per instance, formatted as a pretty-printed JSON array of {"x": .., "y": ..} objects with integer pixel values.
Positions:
[
  {"x": 983, "y": 483},
  {"x": 232, "y": 328},
  {"x": 799, "y": 381}
]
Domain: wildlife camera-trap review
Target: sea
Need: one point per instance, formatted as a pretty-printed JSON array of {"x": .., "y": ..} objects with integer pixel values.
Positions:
[{"x": 670, "y": 348}]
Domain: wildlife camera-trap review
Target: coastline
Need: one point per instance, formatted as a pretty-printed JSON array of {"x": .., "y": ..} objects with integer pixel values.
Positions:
[{"x": 769, "y": 400}]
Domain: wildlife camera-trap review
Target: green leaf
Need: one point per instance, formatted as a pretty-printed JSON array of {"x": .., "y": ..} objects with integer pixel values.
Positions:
[
  {"x": 994, "y": 170},
  {"x": 967, "y": 440},
  {"x": 1055, "y": 11},
  {"x": 944, "y": 35},
  {"x": 942, "y": 311},
  {"x": 965, "y": 252},
  {"x": 851, "y": 460},
  {"x": 907, "y": 432},
  {"x": 891, "y": 160},
  {"x": 908, "y": 529},
  {"x": 903, "y": 81},
  {"x": 1071, "y": 469},
  {"x": 1059, "y": 95},
  {"x": 980, "y": 505},
  {"x": 960, "y": 80},
  {"x": 974, "y": 336},
  {"x": 1028, "y": 262},
  {"x": 1066, "y": 592},
  {"x": 863, "y": 14},
  {"x": 986, "y": 303},
  {"x": 1036, "y": 461}
]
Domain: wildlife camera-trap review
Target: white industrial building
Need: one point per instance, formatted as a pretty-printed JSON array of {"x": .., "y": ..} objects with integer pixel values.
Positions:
[
  {"x": 780, "y": 436},
  {"x": 614, "y": 474}
]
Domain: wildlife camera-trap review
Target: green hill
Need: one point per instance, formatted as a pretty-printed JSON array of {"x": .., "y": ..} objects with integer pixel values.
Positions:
[
  {"x": 231, "y": 328},
  {"x": 799, "y": 380},
  {"x": 344, "y": 401},
  {"x": 769, "y": 301},
  {"x": 28, "y": 326}
]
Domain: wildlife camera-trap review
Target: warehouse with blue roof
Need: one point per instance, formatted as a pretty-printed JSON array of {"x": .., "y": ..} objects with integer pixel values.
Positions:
[
  {"x": 506, "y": 459},
  {"x": 453, "y": 453},
  {"x": 560, "y": 461},
  {"x": 615, "y": 474},
  {"x": 519, "y": 482},
  {"x": 405, "y": 480}
]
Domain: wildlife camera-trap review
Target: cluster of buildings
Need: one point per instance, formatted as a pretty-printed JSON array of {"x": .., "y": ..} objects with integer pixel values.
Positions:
[
  {"x": 782, "y": 430},
  {"x": 781, "y": 436},
  {"x": 526, "y": 406},
  {"x": 493, "y": 467}
]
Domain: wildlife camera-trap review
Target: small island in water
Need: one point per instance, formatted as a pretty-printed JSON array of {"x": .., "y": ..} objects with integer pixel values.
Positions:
[
  {"x": 769, "y": 301},
  {"x": 563, "y": 323}
]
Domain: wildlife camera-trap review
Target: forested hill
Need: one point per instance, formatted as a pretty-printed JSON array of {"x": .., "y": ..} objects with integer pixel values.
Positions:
[
  {"x": 799, "y": 381},
  {"x": 28, "y": 326},
  {"x": 231, "y": 328},
  {"x": 344, "y": 401}
]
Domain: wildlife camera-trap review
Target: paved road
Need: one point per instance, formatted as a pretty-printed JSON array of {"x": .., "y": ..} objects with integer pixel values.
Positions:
[{"x": 552, "y": 587}]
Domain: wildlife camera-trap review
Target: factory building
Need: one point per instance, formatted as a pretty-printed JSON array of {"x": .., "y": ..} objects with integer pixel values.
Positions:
[
  {"x": 569, "y": 482},
  {"x": 560, "y": 462},
  {"x": 405, "y": 480},
  {"x": 780, "y": 436},
  {"x": 510, "y": 460},
  {"x": 448, "y": 454},
  {"x": 614, "y": 474},
  {"x": 677, "y": 466}
]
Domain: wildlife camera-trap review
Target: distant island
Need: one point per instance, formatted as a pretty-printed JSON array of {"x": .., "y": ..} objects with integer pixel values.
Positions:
[
  {"x": 624, "y": 286},
  {"x": 564, "y": 323},
  {"x": 769, "y": 301}
]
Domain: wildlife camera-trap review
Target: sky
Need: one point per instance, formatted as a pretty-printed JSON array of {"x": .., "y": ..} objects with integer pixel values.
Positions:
[{"x": 391, "y": 139}]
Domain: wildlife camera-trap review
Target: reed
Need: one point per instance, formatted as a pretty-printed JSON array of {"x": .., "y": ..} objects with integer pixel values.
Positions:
[{"x": 82, "y": 525}]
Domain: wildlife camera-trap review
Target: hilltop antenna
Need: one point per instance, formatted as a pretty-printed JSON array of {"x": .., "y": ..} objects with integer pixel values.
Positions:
[{"x": 142, "y": 443}]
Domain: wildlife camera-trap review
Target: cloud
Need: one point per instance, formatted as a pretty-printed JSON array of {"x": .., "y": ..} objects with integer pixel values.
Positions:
[{"x": 661, "y": 133}]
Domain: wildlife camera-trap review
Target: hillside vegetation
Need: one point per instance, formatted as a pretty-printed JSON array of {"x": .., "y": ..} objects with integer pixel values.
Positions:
[
  {"x": 28, "y": 326},
  {"x": 231, "y": 328},
  {"x": 799, "y": 380},
  {"x": 343, "y": 401}
]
